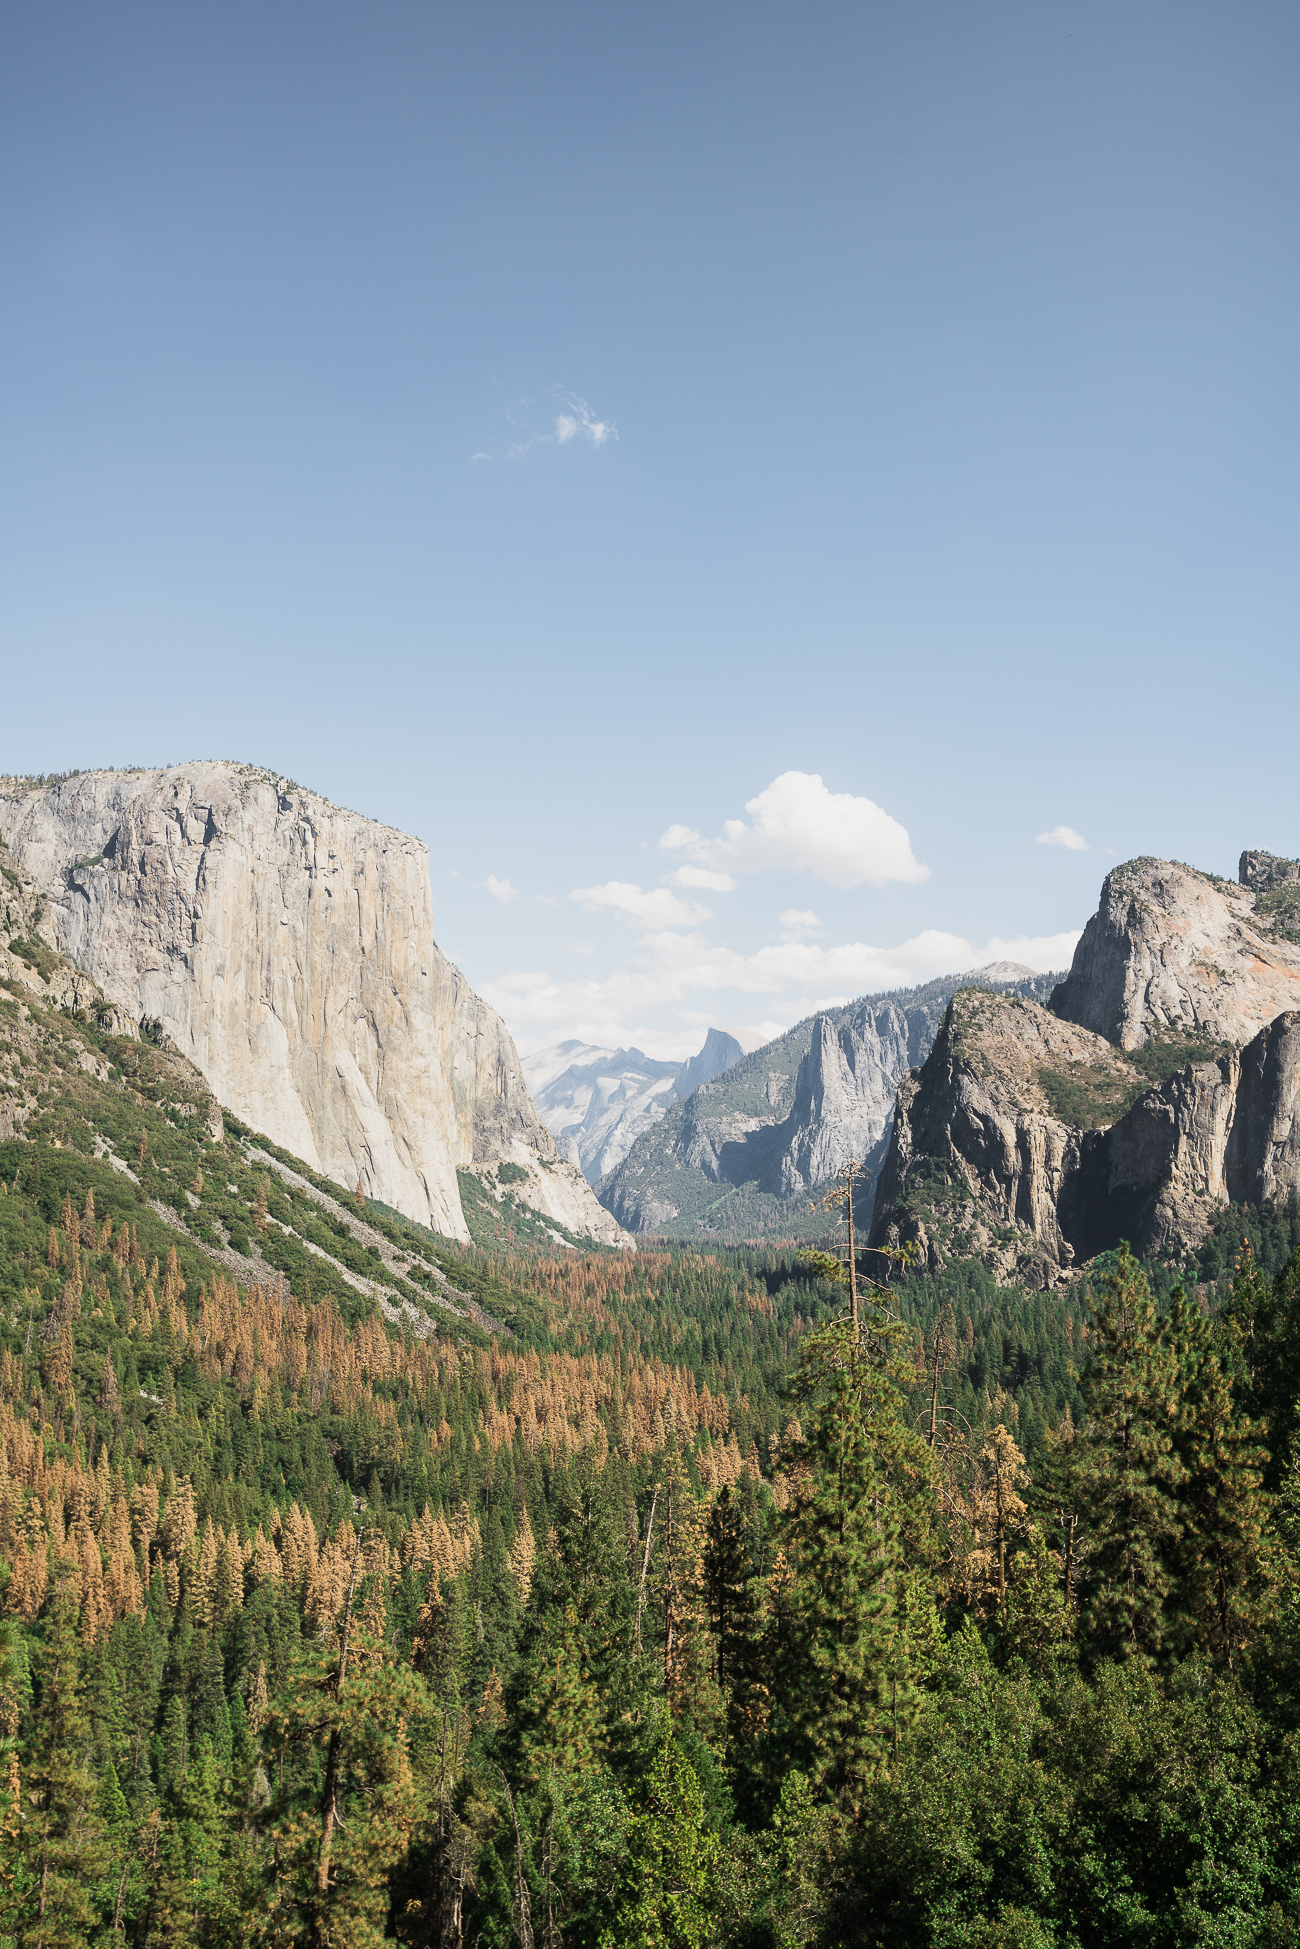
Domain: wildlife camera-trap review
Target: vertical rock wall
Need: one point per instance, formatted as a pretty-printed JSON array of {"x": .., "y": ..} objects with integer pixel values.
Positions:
[{"x": 286, "y": 947}]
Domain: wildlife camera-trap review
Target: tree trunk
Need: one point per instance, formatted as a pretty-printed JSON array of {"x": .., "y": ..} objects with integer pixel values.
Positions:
[
  {"x": 645, "y": 1565},
  {"x": 853, "y": 1257},
  {"x": 329, "y": 1810}
]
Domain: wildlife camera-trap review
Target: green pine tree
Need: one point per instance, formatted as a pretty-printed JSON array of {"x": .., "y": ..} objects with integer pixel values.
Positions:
[
  {"x": 192, "y": 1899},
  {"x": 1261, "y": 1322},
  {"x": 340, "y": 1745},
  {"x": 862, "y": 1507},
  {"x": 671, "y": 1857},
  {"x": 1222, "y": 1565},
  {"x": 731, "y": 1597},
  {"x": 1126, "y": 1472},
  {"x": 559, "y": 1709},
  {"x": 63, "y": 1840}
]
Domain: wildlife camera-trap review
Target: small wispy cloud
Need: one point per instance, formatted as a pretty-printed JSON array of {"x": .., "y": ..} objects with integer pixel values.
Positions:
[
  {"x": 579, "y": 422},
  {"x": 704, "y": 876},
  {"x": 575, "y": 421},
  {"x": 501, "y": 889},
  {"x": 1065, "y": 836},
  {"x": 480, "y": 456},
  {"x": 798, "y": 923}
]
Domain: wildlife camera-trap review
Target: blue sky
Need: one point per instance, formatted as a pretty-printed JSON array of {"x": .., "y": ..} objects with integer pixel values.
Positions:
[{"x": 546, "y": 427}]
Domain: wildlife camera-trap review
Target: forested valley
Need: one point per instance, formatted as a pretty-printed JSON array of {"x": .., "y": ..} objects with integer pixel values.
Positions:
[{"x": 596, "y": 1599}]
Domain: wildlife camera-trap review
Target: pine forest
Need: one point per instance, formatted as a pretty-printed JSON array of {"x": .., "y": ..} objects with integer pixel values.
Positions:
[{"x": 538, "y": 1596}]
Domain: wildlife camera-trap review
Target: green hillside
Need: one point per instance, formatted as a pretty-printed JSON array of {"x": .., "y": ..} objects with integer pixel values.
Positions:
[{"x": 358, "y": 1587}]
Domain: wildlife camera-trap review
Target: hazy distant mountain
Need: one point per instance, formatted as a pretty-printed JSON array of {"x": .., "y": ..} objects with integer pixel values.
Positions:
[
  {"x": 596, "y": 1102},
  {"x": 720, "y": 1051},
  {"x": 739, "y": 1157}
]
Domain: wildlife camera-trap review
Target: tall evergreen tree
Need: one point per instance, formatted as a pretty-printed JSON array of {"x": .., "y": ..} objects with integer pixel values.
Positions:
[
  {"x": 343, "y": 1815},
  {"x": 1263, "y": 1319},
  {"x": 858, "y": 1472},
  {"x": 64, "y": 1839},
  {"x": 671, "y": 1855},
  {"x": 1126, "y": 1471},
  {"x": 1222, "y": 1595},
  {"x": 732, "y": 1601}
]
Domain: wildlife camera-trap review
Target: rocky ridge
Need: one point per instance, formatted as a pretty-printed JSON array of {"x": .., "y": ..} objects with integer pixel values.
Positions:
[
  {"x": 286, "y": 947},
  {"x": 741, "y": 1156},
  {"x": 1159, "y": 1083}
]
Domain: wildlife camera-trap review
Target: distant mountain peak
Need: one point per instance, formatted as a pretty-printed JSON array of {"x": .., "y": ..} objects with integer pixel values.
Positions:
[
  {"x": 596, "y": 1102},
  {"x": 720, "y": 1051},
  {"x": 1006, "y": 971}
]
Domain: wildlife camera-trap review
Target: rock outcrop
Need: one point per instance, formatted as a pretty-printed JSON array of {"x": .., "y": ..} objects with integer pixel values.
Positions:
[
  {"x": 1161, "y": 1082},
  {"x": 1173, "y": 950},
  {"x": 286, "y": 948},
  {"x": 743, "y": 1153}
]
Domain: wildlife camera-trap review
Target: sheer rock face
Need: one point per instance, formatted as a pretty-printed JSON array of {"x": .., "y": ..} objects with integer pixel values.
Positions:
[
  {"x": 842, "y": 1102},
  {"x": 983, "y": 1158},
  {"x": 720, "y": 1052},
  {"x": 843, "y": 1098},
  {"x": 1172, "y": 950},
  {"x": 978, "y": 1161},
  {"x": 286, "y": 947},
  {"x": 56, "y": 983}
]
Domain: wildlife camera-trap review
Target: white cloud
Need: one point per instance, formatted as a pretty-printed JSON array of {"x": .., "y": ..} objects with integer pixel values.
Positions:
[
  {"x": 480, "y": 456},
  {"x": 1063, "y": 836},
  {"x": 800, "y": 826},
  {"x": 672, "y": 967},
  {"x": 581, "y": 422},
  {"x": 797, "y": 923},
  {"x": 500, "y": 889},
  {"x": 657, "y": 908},
  {"x": 575, "y": 422},
  {"x": 704, "y": 876}
]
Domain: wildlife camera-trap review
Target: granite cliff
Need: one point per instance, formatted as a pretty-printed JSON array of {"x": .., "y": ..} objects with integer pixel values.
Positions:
[
  {"x": 1159, "y": 1083},
  {"x": 285, "y": 946},
  {"x": 1173, "y": 950},
  {"x": 741, "y": 1155}
]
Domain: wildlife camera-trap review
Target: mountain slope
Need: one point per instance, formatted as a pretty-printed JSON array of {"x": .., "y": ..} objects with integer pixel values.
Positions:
[
  {"x": 740, "y": 1157},
  {"x": 286, "y": 947}
]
